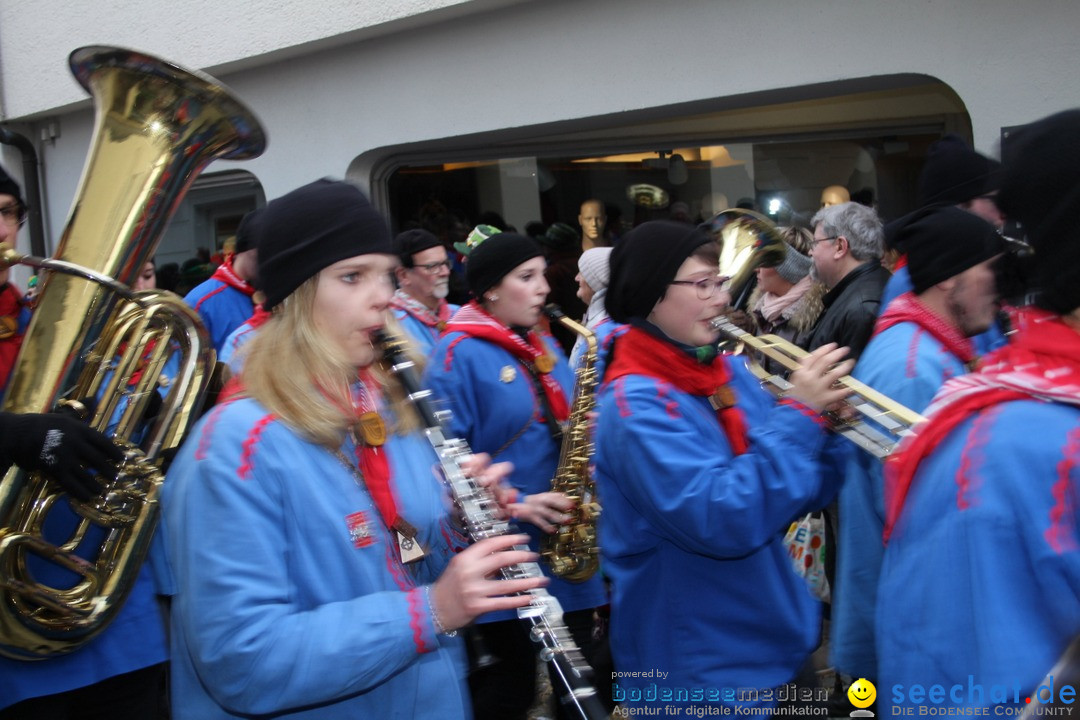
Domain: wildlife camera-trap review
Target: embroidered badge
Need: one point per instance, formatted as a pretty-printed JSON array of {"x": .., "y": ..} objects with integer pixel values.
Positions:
[
  {"x": 361, "y": 531},
  {"x": 507, "y": 374}
]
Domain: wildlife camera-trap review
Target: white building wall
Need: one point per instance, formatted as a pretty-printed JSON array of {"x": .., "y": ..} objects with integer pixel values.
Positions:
[{"x": 332, "y": 80}]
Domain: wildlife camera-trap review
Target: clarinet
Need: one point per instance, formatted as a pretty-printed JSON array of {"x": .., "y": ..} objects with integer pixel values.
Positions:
[{"x": 479, "y": 512}]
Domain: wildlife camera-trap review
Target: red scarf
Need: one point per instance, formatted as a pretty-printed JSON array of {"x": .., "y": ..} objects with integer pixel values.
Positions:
[
  {"x": 407, "y": 303},
  {"x": 227, "y": 275},
  {"x": 640, "y": 353},
  {"x": 372, "y": 459},
  {"x": 476, "y": 322},
  {"x": 259, "y": 317},
  {"x": 1042, "y": 361},
  {"x": 907, "y": 308}
]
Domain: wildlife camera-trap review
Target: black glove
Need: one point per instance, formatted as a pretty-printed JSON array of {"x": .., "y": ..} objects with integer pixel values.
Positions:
[{"x": 61, "y": 447}]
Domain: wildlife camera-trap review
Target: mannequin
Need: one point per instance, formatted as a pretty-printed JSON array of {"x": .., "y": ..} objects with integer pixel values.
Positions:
[{"x": 834, "y": 195}]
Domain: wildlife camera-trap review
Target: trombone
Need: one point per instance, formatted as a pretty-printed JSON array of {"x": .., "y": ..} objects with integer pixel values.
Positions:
[{"x": 873, "y": 421}]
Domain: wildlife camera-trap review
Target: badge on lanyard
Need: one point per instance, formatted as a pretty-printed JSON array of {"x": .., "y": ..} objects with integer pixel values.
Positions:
[
  {"x": 372, "y": 429},
  {"x": 410, "y": 547},
  {"x": 544, "y": 364}
]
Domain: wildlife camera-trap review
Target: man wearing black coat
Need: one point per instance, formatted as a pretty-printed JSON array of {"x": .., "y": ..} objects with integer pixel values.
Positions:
[{"x": 848, "y": 243}]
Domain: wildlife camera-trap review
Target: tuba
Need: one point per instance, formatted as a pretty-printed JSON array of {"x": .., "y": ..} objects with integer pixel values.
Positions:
[
  {"x": 156, "y": 127},
  {"x": 572, "y": 551},
  {"x": 748, "y": 241}
]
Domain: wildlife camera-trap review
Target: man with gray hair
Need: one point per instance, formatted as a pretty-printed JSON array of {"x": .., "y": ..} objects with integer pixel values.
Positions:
[{"x": 848, "y": 243}]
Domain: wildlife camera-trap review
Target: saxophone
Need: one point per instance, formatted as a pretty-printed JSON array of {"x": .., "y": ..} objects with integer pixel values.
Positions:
[{"x": 572, "y": 550}]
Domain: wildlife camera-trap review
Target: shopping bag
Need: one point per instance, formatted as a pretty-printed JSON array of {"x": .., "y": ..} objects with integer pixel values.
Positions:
[{"x": 805, "y": 541}]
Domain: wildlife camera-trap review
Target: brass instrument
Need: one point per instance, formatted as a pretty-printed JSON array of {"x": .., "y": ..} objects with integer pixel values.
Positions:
[
  {"x": 873, "y": 421},
  {"x": 748, "y": 241},
  {"x": 156, "y": 126},
  {"x": 571, "y": 551}
]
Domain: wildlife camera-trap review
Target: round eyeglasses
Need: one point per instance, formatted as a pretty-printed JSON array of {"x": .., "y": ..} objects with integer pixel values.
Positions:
[{"x": 705, "y": 288}]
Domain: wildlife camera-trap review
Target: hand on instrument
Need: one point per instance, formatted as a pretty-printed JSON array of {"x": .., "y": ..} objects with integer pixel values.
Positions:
[
  {"x": 545, "y": 510},
  {"x": 63, "y": 448},
  {"x": 492, "y": 476},
  {"x": 814, "y": 382},
  {"x": 468, "y": 587}
]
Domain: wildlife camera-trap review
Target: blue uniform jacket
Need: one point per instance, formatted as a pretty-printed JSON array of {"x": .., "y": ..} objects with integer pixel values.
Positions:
[
  {"x": 908, "y": 365},
  {"x": 423, "y": 335},
  {"x": 492, "y": 400},
  {"x": 290, "y": 599},
  {"x": 704, "y": 593},
  {"x": 980, "y": 584},
  {"x": 230, "y": 350},
  {"x": 222, "y": 308}
]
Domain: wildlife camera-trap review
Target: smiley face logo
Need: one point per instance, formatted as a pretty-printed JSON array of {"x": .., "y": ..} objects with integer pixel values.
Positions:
[{"x": 861, "y": 693}]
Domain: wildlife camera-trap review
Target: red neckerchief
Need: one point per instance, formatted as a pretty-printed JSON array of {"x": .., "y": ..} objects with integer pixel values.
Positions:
[
  {"x": 372, "y": 459},
  {"x": 227, "y": 275},
  {"x": 259, "y": 317},
  {"x": 474, "y": 321},
  {"x": 639, "y": 353},
  {"x": 407, "y": 303},
  {"x": 907, "y": 308},
  {"x": 1041, "y": 361}
]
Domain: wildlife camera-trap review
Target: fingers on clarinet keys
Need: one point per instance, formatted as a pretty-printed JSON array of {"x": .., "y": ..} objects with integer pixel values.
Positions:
[
  {"x": 816, "y": 381},
  {"x": 471, "y": 584}
]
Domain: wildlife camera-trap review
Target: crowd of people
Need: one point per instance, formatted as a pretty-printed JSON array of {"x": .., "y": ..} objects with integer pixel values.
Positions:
[{"x": 311, "y": 562}]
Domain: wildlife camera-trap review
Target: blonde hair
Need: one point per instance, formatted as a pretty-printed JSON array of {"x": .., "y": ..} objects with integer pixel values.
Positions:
[{"x": 295, "y": 372}]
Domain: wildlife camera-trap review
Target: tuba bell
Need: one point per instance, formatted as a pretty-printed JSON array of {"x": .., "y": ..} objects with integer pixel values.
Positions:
[
  {"x": 156, "y": 127},
  {"x": 748, "y": 240}
]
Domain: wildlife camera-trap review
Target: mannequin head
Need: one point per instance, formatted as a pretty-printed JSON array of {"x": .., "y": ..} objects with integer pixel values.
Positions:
[{"x": 834, "y": 195}]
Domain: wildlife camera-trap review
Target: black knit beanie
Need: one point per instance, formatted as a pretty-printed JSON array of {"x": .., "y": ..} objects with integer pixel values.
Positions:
[
  {"x": 245, "y": 233},
  {"x": 644, "y": 263},
  {"x": 954, "y": 173},
  {"x": 945, "y": 241},
  {"x": 1041, "y": 190},
  {"x": 410, "y": 242},
  {"x": 10, "y": 187},
  {"x": 490, "y": 261},
  {"x": 311, "y": 228}
]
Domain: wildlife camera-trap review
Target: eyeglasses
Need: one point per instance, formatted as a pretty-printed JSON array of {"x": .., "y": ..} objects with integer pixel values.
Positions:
[
  {"x": 815, "y": 241},
  {"x": 433, "y": 267},
  {"x": 706, "y": 287},
  {"x": 14, "y": 214}
]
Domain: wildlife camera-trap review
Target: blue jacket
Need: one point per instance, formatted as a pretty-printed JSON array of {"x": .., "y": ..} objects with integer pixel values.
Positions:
[
  {"x": 135, "y": 639},
  {"x": 420, "y": 332},
  {"x": 229, "y": 353},
  {"x": 492, "y": 399},
  {"x": 222, "y": 308},
  {"x": 692, "y": 537},
  {"x": 290, "y": 599},
  {"x": 980, "y": 583},
  {"x": 908, "y": 365}
]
